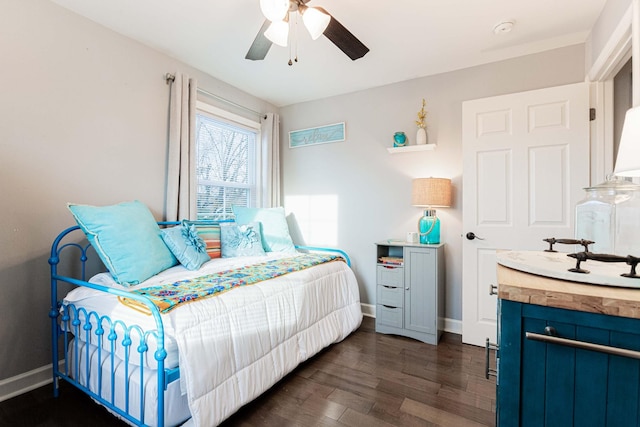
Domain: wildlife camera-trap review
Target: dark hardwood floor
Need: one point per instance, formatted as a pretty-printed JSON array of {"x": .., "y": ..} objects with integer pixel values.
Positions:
[{"x": 368, "y": 380}]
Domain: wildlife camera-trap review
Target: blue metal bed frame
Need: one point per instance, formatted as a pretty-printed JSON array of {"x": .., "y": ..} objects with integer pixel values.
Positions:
[{"x": 80, "y": 321}]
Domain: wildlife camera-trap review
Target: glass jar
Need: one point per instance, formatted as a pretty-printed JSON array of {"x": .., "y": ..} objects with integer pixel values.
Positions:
[
  {"x": 609, "y": 215},
  {"x": 429, "y": 228}
]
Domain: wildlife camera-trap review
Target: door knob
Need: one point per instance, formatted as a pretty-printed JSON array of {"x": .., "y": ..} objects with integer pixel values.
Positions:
[{"x": 471, "y": 235}]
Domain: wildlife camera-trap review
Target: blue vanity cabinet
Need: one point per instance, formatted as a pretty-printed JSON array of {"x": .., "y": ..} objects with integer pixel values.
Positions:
[{"x": 543, "y": 383}]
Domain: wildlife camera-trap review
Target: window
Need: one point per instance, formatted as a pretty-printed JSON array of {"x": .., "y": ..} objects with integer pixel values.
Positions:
[{"x": 227, "y": 168}]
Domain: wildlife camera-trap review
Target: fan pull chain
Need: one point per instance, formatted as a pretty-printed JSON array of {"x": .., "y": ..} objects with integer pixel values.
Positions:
[
  {"x": 290, "y": 41},
  {"x": 295, "y": 39},
  {"x": 296, "y": 35}
]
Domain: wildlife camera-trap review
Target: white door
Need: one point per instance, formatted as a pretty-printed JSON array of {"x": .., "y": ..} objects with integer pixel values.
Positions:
[{"x": 526, "y": 162}]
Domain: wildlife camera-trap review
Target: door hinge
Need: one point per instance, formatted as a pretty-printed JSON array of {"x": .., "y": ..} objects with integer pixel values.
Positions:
[{"x": 592, "y": 114}]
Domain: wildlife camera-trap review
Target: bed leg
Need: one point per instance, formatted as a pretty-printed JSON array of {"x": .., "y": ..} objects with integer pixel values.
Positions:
[{"x": 56, "y": 388}]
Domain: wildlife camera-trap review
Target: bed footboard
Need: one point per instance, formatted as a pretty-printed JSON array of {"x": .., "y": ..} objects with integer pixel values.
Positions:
[{"x": 92, "y": 363}]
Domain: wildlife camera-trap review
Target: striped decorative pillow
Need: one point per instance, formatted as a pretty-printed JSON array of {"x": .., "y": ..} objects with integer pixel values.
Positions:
[{"x": 210, "y": 233}]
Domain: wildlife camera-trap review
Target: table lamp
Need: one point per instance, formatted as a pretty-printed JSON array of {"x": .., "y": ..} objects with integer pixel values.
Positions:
[
  {"x": 628, "y": 160},
  {"x": 430, "y": 193}
]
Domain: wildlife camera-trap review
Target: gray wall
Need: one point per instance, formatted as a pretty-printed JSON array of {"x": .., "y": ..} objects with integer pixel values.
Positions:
[
  {"x": 373, "y": 188},
  {"x": 622, "y": 101},
  {"x": 83, "y": 118}
]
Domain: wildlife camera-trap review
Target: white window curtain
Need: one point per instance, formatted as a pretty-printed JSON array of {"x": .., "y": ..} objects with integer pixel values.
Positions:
[
  {"x": 270, "y": 131},
  {"x": 181, "y": 179}
]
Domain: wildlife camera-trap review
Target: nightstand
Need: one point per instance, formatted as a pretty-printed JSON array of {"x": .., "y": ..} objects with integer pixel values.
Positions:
[{"x": 410, "y": 290}]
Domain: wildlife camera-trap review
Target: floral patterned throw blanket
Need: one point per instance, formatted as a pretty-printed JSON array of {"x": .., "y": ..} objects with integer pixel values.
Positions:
[{"x": 168, "y": 296}]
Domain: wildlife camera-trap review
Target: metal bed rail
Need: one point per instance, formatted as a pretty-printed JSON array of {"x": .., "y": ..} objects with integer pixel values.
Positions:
[
  {"x": 108, "y": 334},
  {"x": 342, "y": 253}
]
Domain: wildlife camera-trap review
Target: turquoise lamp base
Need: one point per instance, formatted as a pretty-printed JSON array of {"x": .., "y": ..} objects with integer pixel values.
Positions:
[{"x": 429, "y": 228}]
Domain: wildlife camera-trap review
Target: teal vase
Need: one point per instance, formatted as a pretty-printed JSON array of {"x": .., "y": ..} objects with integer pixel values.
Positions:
[
  {"x": 399, "y": 139},
  {"x": 429, "y": 227}
]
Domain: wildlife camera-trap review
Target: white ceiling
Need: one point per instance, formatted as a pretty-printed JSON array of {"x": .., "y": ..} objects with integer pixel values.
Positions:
[{"x": 407, "y": 38}]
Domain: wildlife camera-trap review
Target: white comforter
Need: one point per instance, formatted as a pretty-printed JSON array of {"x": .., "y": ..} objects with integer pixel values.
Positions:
[{"x": 234, "y": 346}]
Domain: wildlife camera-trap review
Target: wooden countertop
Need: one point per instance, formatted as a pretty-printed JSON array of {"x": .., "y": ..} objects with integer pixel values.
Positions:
[{"x": 515, "y": 285}]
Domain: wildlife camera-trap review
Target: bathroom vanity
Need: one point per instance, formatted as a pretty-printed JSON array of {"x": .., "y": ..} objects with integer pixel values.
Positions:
[{"x": 568, "y": 343}]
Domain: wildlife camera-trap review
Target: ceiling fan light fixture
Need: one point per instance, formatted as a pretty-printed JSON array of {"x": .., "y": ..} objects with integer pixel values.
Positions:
[
  {"x": 317, "y": 21},
  {"x": 314, "y": 20},
  {"x": 274, "y": 10},
  {"x": 278, "y": 33}
]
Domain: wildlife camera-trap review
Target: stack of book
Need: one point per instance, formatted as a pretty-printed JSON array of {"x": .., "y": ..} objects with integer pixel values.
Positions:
[{"x": 390, "y": 260}]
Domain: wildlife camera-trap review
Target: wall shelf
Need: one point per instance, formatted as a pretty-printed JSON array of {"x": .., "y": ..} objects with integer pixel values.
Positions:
[{"x": 411, "y": 148}]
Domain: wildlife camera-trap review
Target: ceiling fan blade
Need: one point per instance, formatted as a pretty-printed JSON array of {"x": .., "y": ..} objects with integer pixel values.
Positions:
[
  {"x": 341, "y": 37},
  {"x": 261, "y": 45}
]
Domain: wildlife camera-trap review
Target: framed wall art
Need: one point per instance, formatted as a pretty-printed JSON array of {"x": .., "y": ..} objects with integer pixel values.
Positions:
[{"x": 317, "y": 135}]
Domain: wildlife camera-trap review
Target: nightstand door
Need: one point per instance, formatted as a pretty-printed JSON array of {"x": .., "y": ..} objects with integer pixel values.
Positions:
[{"x": 421, "y": 291}]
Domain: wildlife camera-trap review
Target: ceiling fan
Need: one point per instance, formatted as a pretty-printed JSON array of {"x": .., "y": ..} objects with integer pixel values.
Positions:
[{"x": 317, "y": 20}]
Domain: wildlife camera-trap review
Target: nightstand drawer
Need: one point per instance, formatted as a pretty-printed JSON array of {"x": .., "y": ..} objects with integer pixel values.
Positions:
[
  {"x": 389, "y": 316},
  {"x": 390, "y": 295},
  {"x": 388, "y": 275}
]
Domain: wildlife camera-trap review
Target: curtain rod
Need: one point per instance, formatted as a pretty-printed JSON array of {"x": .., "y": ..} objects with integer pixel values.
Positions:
[{"x": 170, "y": 78}]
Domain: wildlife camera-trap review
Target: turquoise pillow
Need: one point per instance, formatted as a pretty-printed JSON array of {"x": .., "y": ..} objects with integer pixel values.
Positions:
[
  {"x": 240, "y": 240},
  {"x": 274, "y": 228},
  {"x": 186, "y": 245},
  {"x": 126, "y": 238}
]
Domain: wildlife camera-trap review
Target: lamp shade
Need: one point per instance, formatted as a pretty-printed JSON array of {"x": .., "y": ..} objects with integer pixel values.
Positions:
[
  {"x": 315, "y": 21},
  {"x": 278, "y": 33},
  {"x": 274, "y": 10},
  {"x": 431, "y": 192},
  {"x": 628, "y": 160}
]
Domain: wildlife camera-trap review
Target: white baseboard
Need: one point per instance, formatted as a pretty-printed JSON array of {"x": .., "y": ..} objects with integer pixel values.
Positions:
[
  {"x": 450, "y": 325},
  {"x": 368, "y": 310},
  {"x": 27, "y": 381}
]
